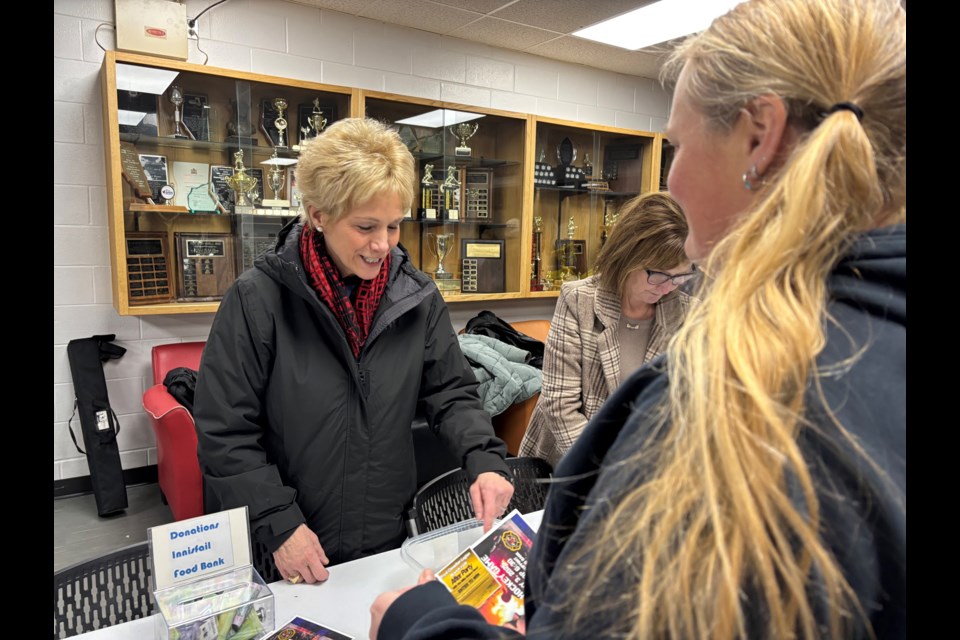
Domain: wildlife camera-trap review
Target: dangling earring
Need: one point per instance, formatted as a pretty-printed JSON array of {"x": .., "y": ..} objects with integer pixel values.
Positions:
[{"x": 751, "y": 178}]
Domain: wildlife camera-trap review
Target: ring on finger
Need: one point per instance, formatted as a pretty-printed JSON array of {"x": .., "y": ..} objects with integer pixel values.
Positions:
[{"x": 294, "y": 579}]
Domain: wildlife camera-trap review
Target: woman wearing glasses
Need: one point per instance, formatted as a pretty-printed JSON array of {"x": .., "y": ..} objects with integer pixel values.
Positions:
[{"x": 609, "y": 324}]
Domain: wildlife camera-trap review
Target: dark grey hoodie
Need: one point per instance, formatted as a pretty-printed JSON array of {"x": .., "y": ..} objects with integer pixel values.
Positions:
[{"x": 862, "y": 510}]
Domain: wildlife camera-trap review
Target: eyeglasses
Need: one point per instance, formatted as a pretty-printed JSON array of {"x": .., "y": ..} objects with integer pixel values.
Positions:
[{"x": 657, "y": 278}]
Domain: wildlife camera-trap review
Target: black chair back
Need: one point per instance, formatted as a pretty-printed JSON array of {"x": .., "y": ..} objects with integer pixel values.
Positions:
[
  {"x": 446, "y": 499},
  {"x": 263, "y": 563},
  {"x": 102, "y": 592}
]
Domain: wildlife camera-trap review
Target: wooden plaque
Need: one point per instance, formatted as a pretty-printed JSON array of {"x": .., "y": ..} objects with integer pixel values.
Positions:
[
  {"x": 206, "y": 265},
  {"x": 148, "y": 268},
  {"x": 482, "y": 264},
  {"x": 478, "y": 194},
  {"x": 132, "y": 172}
]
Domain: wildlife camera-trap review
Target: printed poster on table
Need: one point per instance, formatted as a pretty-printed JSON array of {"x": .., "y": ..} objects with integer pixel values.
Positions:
[
  {"x": 491, "y": 573},
  {"x": 303, "y": 629}
]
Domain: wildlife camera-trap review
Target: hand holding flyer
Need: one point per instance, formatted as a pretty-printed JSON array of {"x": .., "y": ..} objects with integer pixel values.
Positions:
[{"x": 490, "y": 574}]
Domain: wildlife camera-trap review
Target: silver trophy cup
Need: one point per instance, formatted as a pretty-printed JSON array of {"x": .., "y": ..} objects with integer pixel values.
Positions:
[{"x": 440, "y": 245}]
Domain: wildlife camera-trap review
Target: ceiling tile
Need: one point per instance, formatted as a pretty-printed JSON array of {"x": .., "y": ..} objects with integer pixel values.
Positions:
[
  {"x": 480, "y": 6},
  {"x": 420, "y": 14},
  {"x": 564, "y": 16},
  {"x": 533, "y": 26},
  {"x": 501, "y": 33},
  {"x": 589, "y": 53}
]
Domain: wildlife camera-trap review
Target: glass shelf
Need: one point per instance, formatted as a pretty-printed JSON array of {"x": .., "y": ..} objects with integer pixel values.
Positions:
[
  {"x": 571, "y": 190},
  {"x": 470, "y": 163},
  {"x": 440, "y": 223},
  {"x": 203, "y": 145}
]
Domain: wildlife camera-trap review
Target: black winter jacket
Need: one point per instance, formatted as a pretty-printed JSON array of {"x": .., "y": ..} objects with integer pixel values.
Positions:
[
  {"x": 291, "y": 425},
  {"x": 863, "y": 513}
]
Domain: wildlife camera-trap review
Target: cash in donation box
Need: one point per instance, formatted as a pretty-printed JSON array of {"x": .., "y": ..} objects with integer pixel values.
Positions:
[{"x": 204, "y": 582}]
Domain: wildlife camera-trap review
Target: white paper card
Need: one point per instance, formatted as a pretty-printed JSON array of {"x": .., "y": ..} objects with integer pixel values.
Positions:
[{"x": 189, "y": 549}]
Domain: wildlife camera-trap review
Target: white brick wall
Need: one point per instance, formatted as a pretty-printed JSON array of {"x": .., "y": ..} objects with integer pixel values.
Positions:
[{"x": 289, "y": 40}]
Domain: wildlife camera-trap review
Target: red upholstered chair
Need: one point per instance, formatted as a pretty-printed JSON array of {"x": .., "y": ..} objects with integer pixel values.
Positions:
[{"x": 177, "y": 465}]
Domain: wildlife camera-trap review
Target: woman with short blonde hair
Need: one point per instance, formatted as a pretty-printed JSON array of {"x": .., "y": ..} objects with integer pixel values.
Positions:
[
  {"x": 354, "y": 158},
  {"x": 318, "y": 359}
]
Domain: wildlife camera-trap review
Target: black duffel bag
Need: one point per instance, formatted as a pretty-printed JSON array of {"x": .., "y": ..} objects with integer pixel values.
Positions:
[{"x": 98, "y": 422}]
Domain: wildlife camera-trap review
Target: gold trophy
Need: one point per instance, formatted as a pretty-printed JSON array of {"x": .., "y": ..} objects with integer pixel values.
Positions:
[
  {"x": 427, "y": 188},
  {"x": 280, "y": 104},
  {"x": 450, "y": 189},
  {"x": 440, "y": 245},
  {"x": 464, "y": 131},
  {"x": 536, "y": 267},
  {"x": 569, "y": 270},
  {"x": 242, "y": 183},
  {"x": 607, "y": 225},
  {"x": 317, "y": 120}
]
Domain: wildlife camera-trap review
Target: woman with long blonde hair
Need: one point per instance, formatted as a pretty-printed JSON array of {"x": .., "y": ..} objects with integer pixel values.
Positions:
[{"x": 752, "y": 484}]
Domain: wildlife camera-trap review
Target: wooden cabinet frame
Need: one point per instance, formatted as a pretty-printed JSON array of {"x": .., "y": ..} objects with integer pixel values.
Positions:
[{"x": 513, "y": 196}]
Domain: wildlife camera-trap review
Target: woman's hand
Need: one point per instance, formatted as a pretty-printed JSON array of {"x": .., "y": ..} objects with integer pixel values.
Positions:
[
  {"x": 302, "y": 557},
  {"x": 387, "y": 598},
  {"x": 491, "y": 495}
]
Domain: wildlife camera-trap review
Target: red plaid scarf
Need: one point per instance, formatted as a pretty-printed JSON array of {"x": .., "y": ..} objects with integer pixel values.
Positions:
[{"x": 355, "y": 318}]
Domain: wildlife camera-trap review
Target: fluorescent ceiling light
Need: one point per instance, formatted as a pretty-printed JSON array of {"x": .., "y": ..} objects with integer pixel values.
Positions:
[
  {"x": 144, "y": 79},
  {"x": 657, "y": 22},
  {"x": 130, "y": 118},
  {"x": 440, "y": 118}
]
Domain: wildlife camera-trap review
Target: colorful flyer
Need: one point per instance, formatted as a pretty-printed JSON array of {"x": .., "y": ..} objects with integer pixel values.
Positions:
[
  {"x": 490, "y": 574},
  {"x": 303, "y": 629}
]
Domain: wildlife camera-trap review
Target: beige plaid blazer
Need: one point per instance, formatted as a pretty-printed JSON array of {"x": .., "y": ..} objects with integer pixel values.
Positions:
[{"x": 581, "y": 362}]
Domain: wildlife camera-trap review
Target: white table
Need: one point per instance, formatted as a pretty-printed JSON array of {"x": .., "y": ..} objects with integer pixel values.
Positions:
[{"x": 342, "y": 602}]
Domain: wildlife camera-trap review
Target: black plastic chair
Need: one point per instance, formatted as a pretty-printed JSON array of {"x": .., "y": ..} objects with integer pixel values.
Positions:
[
  {"x": 264, "y": 564},
  {"x": 446, "y": 499},
  {"x": 102, "y": 592}
]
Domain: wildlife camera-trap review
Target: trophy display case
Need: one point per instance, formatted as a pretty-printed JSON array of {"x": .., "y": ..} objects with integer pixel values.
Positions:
[
  {"x": 582, "y": 176},
  {"x": 465, "y": 228},
  {"x": 200, "y": 171},
  {"x": 199, "y": 167}
]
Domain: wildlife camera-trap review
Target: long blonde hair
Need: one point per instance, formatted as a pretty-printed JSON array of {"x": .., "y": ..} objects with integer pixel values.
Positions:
[{"x": 715, "y": 519}]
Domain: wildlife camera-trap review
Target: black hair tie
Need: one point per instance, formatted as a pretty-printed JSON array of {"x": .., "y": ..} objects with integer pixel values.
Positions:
[{"x": 846, "y": 106}]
